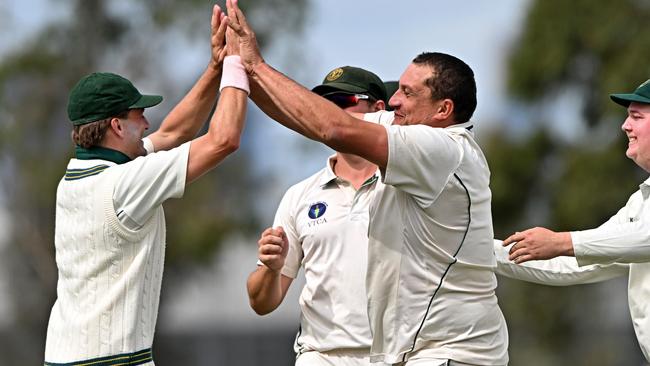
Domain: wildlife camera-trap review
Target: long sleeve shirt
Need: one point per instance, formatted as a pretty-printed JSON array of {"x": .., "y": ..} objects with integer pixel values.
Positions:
[{"x": 619, "y": 246}]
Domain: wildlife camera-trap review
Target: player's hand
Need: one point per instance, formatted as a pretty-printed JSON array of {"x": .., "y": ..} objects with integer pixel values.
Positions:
[
  {"x": 232, "y": 42},
  {"x": 248, "y": 48},
  {"x": 218, "y": 26},
  {"x": 273, "y": 248},
  {"x": 538, "y": 243}
]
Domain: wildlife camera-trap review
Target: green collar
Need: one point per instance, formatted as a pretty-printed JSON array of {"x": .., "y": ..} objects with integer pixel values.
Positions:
[{"x": 102, "y": 153}]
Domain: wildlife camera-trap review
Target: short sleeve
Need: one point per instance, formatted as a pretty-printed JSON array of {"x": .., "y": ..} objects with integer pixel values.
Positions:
[
  {"x": 384, "y": 118},
  {"x": 421, "y": 159},
  {"x": 148, "y": 145},
  {"x": 285, "y": 217},
  {"x": 146, "y": 182}
]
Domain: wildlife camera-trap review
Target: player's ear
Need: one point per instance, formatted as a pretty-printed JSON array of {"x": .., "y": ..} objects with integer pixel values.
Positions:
[
  {"x": 445, "y": 108},
  {"x": 116, "y": 126},
  {"x": 379, "y": 105}
]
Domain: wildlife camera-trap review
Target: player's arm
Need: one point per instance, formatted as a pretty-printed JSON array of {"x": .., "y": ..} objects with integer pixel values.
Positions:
[
  {"x": 559, "y": 271},
  {"x": 266, "y": 286},
  {"x": 222, "y": 137},
  {"x": 184, "y": 121},
  {"x": 538, "y": 243},
  {"x": 227, "y": 122},
  {"x": 624, "y": 243},
  {"x": 616, "y": 241},
  {"x": 301, "y": 110}
]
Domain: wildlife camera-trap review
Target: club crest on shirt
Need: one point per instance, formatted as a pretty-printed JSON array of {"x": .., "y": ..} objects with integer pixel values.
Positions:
[{"x": 316, "y": 212}]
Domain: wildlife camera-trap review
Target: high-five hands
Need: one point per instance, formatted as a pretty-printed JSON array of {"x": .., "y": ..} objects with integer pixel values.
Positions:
[
  {"x": 248, "y": 48},
  {"x": 218, "y": 26}
]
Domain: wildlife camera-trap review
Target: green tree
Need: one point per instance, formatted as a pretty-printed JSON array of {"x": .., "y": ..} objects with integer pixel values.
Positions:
[
  {"x": 593, "y": 48},
  {"x": 143, "y": 41}
]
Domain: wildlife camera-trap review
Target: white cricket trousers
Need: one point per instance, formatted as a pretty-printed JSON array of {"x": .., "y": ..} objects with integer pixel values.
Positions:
[
  {"x": 425, "y": 361},
  {"x": 335, "y": 358}
]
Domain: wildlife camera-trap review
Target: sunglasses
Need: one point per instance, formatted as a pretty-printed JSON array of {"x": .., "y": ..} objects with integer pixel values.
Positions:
[{"x": 346, "y": 100}]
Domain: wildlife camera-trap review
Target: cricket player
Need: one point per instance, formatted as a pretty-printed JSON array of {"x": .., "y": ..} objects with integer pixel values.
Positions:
[
  {"x": 110, "y": 226},
  {"x": 322, "y": 225},
  {"x": 430, "y": 280},
  {"x": 620, "y": 246}
]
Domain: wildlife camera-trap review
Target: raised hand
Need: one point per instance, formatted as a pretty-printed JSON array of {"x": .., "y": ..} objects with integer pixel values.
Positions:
[
  {"x": 248, "y": 48},
  {"x": 273, "y": 248},
  {"x": 232, "y": 42},
  {"x": 218, "y": 26},
  {"x": 538, "y": 243}
]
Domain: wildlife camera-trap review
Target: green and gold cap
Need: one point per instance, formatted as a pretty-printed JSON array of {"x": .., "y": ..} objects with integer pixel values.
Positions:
[
  {"x": 352, "y": 80},
  {"x": 102, "y": 95},
  {"x": 640, "y": 95}
]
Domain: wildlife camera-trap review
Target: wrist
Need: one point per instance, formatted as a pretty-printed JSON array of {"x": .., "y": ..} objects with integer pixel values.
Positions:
[
  {"x": 257, "y": 68},
  {"x": 214, "y": 67},
  {"x": 272, "y": 270},
  {"x": 234, "y": 74},
  {"x": 567, "y": 244}
]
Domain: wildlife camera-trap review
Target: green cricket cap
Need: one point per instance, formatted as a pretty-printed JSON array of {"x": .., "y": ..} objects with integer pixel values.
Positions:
[
  {"x": 352, "y": 80},
  {"x": 391, "y": 88},
  {"x": 103, "y": 95},
  {"x": 640, "y": 95}
]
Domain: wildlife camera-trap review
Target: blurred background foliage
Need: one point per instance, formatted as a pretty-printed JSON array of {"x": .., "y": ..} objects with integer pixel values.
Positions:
[
  {"x": 591, "y": 48},
  {"x": 135, "y": 39}
]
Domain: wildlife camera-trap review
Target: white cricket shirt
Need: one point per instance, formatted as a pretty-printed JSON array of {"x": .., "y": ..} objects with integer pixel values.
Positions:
[
  {"x": 326, "y": 221},
  {"x": 431, "y": 278},
  {"x": 110, "y": 273},
  {"x": 619, "y": 246},
  {"x": 625, "y": 238}
]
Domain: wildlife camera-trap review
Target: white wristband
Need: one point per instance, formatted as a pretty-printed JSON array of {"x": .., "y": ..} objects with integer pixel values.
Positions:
[{"x": 234, "y": 74}]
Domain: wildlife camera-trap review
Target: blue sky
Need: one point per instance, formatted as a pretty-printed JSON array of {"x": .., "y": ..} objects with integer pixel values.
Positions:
[{"x": 385, "y": 35}]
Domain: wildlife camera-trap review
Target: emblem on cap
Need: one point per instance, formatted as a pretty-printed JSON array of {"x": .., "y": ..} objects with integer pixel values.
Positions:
[
  {"x": 644, "y": 83},
  {"x": 317, "y": 210},
  {"x": 334, "y": 74}
]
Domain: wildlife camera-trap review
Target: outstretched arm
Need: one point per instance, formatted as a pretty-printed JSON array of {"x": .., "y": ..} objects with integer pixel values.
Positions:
[
  {"x": 227, "y": 121},
  {"x": 266, "y": 286},
  {"x": 538, "y": 243},
  {"x": 301, "y": 110},
  {"x": 615, "y": 241},
  {"x": 559, "y": 271},
  {"x": 187, "y": 117}
]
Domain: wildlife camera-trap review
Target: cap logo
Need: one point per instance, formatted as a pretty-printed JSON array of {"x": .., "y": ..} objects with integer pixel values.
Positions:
[{"x": 334, "y": 74}]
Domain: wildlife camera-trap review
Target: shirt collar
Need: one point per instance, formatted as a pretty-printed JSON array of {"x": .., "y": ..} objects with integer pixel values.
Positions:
[
  {"x": 102, "y": 153},
  {"x": 645, "y": 189},
  {"x": 466, "y": 127},
  {"x": 330, "y": 177}
]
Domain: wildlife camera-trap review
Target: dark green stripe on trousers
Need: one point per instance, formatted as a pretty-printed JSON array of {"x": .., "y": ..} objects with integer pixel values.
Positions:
[{"x": 125, "y": 359}]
